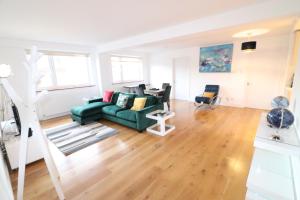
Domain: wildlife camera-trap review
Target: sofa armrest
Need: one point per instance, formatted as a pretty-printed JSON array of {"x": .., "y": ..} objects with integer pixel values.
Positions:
[
  {"x": 95, "y": 100},
  {"x": 159, "y": 99},
  {"x": 142, "y": 121},
  {"x": 146, "y": 110}
]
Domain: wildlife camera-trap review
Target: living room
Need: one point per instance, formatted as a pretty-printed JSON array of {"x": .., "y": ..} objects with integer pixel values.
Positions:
[{"x": 133, "y": 117}]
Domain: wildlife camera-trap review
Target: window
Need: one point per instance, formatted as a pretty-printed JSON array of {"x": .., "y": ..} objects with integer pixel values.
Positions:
[
  {"x": 126, "y": 69},
  {"x": 63, "y": 70}
]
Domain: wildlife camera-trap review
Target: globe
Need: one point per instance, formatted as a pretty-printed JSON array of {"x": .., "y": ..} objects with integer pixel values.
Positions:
[
  {"x": 280, "y": 118},
  {"x": 280, "y": 102}
]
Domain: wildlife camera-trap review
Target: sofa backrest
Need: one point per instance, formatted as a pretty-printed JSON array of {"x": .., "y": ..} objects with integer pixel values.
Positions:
[
  {"x": 151, "y": 100},
  {"x": 130, "y": 100},
  {"x": 115, "y": 97}
]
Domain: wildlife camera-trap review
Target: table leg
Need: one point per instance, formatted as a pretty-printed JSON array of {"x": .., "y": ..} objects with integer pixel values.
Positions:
[{"x": 162, "y": 127}]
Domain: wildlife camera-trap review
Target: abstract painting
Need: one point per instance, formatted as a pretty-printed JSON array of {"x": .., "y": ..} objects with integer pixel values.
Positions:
[{"x": 216, "y": 58}]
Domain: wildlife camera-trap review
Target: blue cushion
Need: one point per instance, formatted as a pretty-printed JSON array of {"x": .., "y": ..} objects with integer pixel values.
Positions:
[
  {"x": 202, "y": 100},
  {"x": 212, "y": 88}
]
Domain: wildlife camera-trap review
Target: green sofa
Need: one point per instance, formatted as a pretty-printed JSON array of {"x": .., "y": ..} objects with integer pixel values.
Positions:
[{"x": 97, "y": 109}]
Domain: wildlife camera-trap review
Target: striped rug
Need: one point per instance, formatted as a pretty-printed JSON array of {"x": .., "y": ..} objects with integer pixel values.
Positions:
[{"x": 72, "y": 137}]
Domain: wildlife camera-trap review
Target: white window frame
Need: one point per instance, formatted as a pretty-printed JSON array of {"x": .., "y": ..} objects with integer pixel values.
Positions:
[
  {"x": 125, "y": 56},
  {"x": 53, "y": 75}
]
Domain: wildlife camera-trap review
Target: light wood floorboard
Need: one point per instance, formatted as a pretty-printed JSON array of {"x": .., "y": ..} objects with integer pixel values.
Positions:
[{"x": 207, "y": 157}]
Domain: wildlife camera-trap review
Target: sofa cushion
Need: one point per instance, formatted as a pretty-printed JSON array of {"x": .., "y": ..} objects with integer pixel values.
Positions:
[
  {"x": 122, "y": 101},
  {"x": 130, "y": 99},
  {"x": 112, "y": 109},
  {"x": 202, "y": 100},
  {"x": 115, "y": 97},
  {"x": 208, "y": 94},
  {"x": 139, "y": 103},
  {"x": 129, "y": 115},
  {"x": 107, "y": 96},
  {"x": 89, "y": 109}
]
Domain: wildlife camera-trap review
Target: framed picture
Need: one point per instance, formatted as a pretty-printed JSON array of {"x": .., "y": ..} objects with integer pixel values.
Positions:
[{"x": 216, "y": 58}]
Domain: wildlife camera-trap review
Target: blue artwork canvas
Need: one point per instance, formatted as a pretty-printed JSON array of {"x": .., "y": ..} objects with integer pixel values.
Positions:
[{"x": 216, "y": 58}]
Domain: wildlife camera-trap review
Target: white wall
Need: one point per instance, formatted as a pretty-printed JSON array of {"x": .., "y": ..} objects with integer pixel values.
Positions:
[
  {"x": 106, "y": 70},
  {"x": 296, "y": 95},
  {"x": 295, "y": 107},
  {"x": 58, "y": 102},
  {"x": 269, "y": 61}
]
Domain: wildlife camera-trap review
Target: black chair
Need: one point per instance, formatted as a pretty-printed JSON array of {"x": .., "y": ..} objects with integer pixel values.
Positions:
[
  {"x": 164, "y": 85},
  {"x": 203, "y": 101},
  {"x": 166, "y": 96},
  {"x": 139, "y": 91},
  {"x": 143, "y": 86}
]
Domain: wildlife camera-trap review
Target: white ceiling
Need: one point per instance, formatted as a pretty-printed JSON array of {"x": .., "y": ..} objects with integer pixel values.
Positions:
[
  {"x": 95, "y": 22},
  {"x": 275, "y": 26}
]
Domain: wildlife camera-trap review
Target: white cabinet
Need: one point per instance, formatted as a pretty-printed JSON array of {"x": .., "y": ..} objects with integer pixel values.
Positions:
[
  {"x": 34, "y": 152},
  {"x": 272, "y": 174}
]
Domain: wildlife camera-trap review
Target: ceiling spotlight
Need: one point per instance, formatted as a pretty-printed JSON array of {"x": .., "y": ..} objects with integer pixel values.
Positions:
[
  {"x": 248, "y": 46},
  {"x": 251, "y": 32}
]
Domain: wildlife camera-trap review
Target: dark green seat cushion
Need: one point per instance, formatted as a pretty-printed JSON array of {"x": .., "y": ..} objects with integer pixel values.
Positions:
[
  {"x": 88, "y": 109},
  {"x": 112, "y": 110},
  {"x": 129, "y": 115}
]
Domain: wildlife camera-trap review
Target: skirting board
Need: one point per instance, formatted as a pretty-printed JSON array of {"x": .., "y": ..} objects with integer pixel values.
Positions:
[
  {"x": 222, "y": 104},
  {"x": 46, "y": 117}
]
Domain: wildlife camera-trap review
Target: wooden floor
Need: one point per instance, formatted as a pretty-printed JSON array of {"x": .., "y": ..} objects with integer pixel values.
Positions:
[{"x": 207, "y": 157}]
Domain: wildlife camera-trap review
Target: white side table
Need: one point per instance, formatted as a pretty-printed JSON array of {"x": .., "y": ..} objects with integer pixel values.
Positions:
[{"x": 161, "y": 128}]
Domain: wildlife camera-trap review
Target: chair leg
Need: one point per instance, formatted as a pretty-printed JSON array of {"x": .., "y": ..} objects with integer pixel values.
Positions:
[
  {"x": 168, "y": 103},
  {"x": 198, "y": 105}
]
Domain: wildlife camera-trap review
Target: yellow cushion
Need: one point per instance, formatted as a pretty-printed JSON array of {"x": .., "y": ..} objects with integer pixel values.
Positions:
[
  {"x": 209, "y": 94},
  {"x": 138, "y": 104}
]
